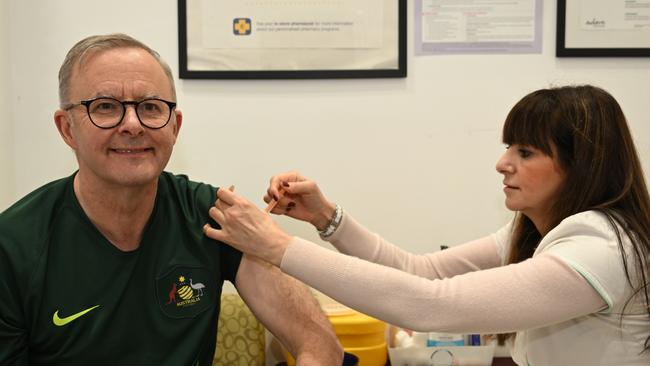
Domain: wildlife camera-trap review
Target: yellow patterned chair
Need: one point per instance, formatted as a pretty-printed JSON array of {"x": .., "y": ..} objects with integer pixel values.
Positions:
[{"x": 240, "y": 338}]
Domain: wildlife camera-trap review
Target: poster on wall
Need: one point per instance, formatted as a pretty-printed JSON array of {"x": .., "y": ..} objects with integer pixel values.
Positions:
[
  {"x": 274, "y": 39},
  {"x": 478, "y": 26},
  {"x": 593, "y": 28}
]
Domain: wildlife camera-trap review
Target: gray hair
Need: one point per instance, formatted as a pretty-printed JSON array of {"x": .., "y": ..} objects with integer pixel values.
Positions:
[{"x": 91, "y": 44}]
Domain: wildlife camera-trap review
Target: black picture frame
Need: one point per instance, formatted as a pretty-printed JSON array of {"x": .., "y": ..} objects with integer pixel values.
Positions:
[
  {"x": 186, "y": 72},
  {"x": 566, "y": 25}
]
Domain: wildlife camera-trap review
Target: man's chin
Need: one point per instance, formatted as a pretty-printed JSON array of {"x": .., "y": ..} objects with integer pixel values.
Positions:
[
  {"x": 139, "y": 180},
  {"x": 135, "y": 178}
]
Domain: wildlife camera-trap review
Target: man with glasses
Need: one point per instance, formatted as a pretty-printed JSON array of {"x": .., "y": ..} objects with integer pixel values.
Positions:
[
  {"x": 110, "y": 265},
  {"x": 106, "y": 112}
]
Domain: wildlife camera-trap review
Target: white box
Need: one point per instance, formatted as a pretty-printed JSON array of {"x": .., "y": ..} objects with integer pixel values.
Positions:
[{"x": 442, "y": 356}]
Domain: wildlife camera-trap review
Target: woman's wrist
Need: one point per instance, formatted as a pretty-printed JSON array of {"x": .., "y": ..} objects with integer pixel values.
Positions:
[
  {"x": 333, "y": 225},
  {"x": 323, "y": 218},
  {"x": 281, "y": 243}
]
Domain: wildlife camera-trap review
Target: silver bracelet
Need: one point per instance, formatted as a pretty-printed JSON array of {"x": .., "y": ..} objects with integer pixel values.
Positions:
[{"x": 334, "y": 223}]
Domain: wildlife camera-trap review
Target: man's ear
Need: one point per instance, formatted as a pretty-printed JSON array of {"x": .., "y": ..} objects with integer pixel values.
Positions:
[
  {"x": 178, "y": 116},
  {"x": 64, "y": 125}
]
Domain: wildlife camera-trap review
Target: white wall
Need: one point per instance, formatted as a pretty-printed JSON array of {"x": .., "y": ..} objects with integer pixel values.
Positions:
[
  {"x": 6, "y": 127},
  {"x": 412, "y": 158}
]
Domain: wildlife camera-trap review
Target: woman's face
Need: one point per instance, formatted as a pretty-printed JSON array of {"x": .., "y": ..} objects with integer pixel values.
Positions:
[{"x": 531, "y": 181}]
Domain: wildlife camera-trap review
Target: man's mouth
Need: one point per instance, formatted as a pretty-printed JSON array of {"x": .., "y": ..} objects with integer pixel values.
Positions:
[{"x": 131, "y": 150}]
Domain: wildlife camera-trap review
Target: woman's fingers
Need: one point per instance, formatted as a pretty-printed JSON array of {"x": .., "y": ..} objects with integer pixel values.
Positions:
[
  {"x": 216, "y": 234},
  {"x": 278, "y": 182},
  {"x": 217, "y": 215},
  {"x": 221, "y": 205},
  {"x": 246, "y": 228},
  {"x": 227, "y": 195},
  {"x": 300, "y": 188},
  {"x": 213, "y": 233}
]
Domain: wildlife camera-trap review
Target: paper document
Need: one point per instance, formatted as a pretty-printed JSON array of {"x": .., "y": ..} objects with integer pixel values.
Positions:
[
  {"x": 615, "y": 14},
  {"x": 478, "y": 21}
]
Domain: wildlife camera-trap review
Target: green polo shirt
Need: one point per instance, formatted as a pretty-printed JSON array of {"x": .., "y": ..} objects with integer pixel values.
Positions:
[{"x": 69, "y": 297}]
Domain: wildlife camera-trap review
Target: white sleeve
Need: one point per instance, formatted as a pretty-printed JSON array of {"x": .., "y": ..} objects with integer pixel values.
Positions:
[
  {"x": 536, "y": 292},
  {"x": 354, "y": 239}
]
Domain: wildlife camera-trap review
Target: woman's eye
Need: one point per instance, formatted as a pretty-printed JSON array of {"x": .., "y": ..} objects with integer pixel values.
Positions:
[{"x": 524, "y": 153}]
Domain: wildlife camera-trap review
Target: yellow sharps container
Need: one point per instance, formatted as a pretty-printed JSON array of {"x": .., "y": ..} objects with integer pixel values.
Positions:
[
  {"x": 358, "y": 333},
  {"x": 362, "y": 336}
]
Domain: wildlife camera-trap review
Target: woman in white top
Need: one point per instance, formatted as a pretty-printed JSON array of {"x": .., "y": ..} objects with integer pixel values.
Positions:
[{"x": 566, "y": 280}]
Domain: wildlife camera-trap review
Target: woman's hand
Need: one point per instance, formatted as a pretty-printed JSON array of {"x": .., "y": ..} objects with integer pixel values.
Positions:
[
  {"x": 246, "y": 228},
  {"x": 301, "y": 199}
]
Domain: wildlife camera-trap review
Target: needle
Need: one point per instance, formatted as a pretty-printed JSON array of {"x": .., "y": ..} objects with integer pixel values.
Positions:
[{"x": 273, "y": 202}]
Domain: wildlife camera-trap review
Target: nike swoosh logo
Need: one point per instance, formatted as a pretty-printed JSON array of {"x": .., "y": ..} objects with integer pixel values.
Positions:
[{"x": 63, "y": 321}]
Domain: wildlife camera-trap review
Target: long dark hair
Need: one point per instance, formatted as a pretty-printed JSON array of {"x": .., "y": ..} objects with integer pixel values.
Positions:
[{"x": 595, "y": 149}]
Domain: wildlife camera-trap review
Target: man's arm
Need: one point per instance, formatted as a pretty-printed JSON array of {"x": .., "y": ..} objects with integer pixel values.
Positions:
[{"x": 288, "y": 309}]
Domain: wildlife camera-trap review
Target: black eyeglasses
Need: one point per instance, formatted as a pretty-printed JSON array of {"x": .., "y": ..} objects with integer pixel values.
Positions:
[{"x": 105, "y": 112}]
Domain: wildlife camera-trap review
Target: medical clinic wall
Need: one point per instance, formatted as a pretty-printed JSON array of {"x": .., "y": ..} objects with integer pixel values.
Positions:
[
  {"x": 6, "y": 131},
  {"x": 411, "y": 158}
]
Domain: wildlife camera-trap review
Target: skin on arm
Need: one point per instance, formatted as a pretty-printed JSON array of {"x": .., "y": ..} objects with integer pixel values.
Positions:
[{"x": 288, "y": 310}]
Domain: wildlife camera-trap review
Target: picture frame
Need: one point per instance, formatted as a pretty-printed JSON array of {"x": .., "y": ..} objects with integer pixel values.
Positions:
[
  {"x": 602, "y": 28},
  {"x": 233, "y": 39}
]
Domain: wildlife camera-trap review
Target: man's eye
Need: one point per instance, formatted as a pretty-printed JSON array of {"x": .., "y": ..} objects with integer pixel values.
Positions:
[
  {"x": 105, "y": 106},
  {"x": 151, "y": 107}
]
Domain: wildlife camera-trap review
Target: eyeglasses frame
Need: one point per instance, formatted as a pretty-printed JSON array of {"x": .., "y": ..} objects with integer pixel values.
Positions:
[{"x": 86, "y": 103}]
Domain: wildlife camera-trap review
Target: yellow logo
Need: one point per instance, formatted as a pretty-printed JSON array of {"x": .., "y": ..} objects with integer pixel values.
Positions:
[
  {"x": 241, "y": 26},
  {"x": 63, "y": 321}
]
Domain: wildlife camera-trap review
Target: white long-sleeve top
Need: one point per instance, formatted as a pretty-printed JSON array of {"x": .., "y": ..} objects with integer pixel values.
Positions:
[{"x": 564, "y": 302}]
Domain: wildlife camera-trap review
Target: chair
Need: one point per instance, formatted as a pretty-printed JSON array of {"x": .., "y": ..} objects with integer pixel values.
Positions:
[{"x": 240, "y": 337}]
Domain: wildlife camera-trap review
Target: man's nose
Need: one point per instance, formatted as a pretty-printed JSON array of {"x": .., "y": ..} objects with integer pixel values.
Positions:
[{"x": 131, "y": 123}]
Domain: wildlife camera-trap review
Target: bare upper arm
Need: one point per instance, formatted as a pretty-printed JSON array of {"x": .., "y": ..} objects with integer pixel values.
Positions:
[{"x": 284, "y": 305}]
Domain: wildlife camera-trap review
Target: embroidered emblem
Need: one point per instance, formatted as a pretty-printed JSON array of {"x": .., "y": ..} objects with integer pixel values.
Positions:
[{"x": 184, "y": 293}]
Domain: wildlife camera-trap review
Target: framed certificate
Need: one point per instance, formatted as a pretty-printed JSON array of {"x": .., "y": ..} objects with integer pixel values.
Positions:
[
  {"x": 592, "y": 28},
  {"x": 278, "y": 39}
]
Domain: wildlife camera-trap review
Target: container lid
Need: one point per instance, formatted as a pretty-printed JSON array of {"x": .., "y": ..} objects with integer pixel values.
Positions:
[{"x": 356, "y": 323}]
